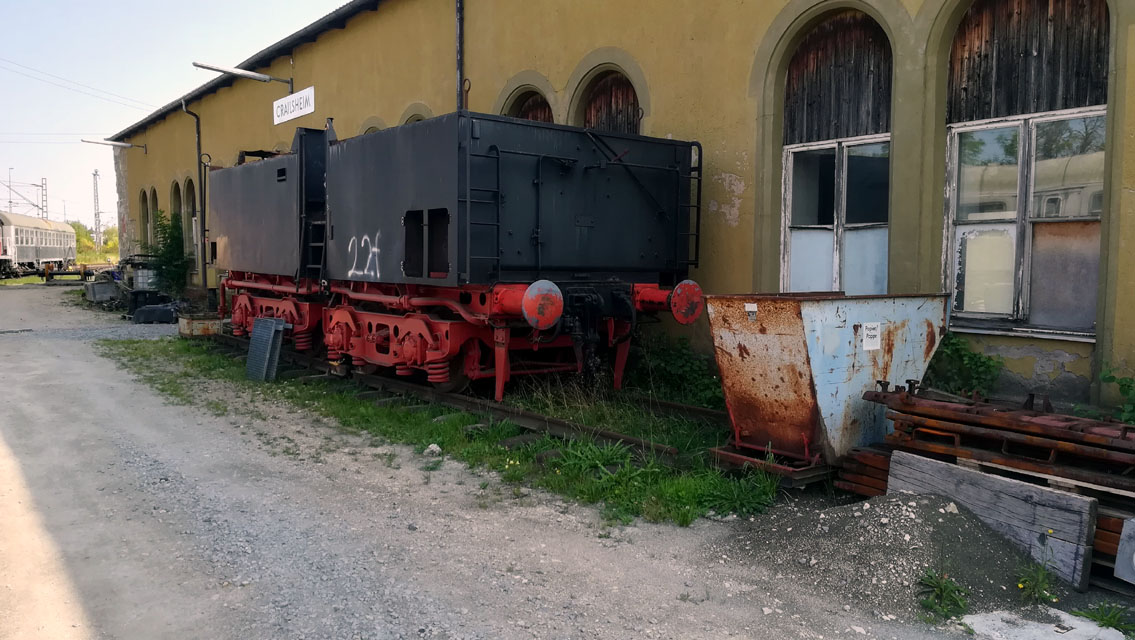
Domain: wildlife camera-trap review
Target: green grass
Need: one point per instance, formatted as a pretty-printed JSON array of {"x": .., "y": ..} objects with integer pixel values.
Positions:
[
  {"x": 1109, "y": 616},
  {"x": 942, "y": 598},
  {"x": 9, "y": 282},
  {"x": 595, "y": 403},
  {"x": 96, "y": 257},
  {"x": 1035, "y": 583},
  {"x": 611, "y": 476}
]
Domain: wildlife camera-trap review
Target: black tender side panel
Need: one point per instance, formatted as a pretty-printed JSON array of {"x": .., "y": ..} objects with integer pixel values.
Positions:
[
  {"x": 575, "y": 204},
  {"x": 392, "y": 203},
  {"x": 472, "y": 198},
  {"x": 254, "y": 216}
]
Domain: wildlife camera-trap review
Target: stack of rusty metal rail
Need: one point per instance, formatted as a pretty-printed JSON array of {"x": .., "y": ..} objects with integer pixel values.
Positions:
[{"x": 1076, "y": 454}]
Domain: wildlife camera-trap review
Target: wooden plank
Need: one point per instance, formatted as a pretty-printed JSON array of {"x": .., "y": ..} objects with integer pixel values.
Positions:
[
  {"x": 858, "y": 488},
  {"x": 1109, "y": 523},
  {"x": 1110, "y": 548},
  {"x": 1055, "y": 527},
  {"x": 866, "y": 481},
  {"x": 1106, "y": 537},
  {"x": 861, "y": 469},
  {"x": 872, "y": 458}
]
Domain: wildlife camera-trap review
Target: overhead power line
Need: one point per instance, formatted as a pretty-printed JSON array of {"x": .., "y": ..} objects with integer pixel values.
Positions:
[
  {"x": 75, "y": 82},
  {"x": 76, "y": 90}
]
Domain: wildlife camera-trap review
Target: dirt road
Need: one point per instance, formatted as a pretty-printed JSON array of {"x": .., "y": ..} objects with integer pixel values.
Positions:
[{"x": 127, "y": 517}]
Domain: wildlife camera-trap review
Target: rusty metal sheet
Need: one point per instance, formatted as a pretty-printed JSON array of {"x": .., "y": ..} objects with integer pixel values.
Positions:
[
  {"x": 794, "y": 368},
  {"x": 765, "y": 375}
]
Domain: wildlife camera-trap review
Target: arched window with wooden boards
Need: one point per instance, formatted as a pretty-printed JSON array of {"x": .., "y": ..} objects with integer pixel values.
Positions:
[
  {"x": 143, "y": 219},
  {"x": 531, "y": 105},
  {"x": 611, "y": 104},
  {"x": 1027, "y": 108},
  {"x": 836, "y": 191},
  {"x": 190, "y": 214}
]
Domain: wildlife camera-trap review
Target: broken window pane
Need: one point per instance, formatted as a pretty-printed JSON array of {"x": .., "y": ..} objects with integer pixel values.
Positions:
[
  {"x": 812, "y": 252},
  {"x": 1069, "y": 168},
  {"x": 813, "y": 187},
  {"x": 1065, "y": 271},
  {"x": 986, "y": 258},
  {"x": 868, "y": 183},
  {"x": 988, "y": 174},
  {"x": 865, "y": 261}
]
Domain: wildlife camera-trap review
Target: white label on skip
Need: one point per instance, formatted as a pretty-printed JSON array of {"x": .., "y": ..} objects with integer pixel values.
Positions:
[
  {"x": 872, "y": 340},
  {"x": 751, "y": 309}
]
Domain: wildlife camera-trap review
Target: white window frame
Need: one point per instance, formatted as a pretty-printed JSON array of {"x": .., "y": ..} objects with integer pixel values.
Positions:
[
  {"x": 840, "y": 146},
  {"x": 1026, "y": 175}
]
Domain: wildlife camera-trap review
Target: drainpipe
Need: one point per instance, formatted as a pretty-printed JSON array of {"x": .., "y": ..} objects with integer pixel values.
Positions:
[
  {"x": 460, "y": 54},
  {"x": 200, "y": 205}
]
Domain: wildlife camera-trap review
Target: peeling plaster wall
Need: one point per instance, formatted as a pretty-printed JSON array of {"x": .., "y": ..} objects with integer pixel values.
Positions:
[
  {"x": 1061, "y": 370},
  {"x": 127, "y": 234}
]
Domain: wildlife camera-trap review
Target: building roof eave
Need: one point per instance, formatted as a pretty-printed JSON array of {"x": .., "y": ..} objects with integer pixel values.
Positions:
[{"x": 337, "y": 19}]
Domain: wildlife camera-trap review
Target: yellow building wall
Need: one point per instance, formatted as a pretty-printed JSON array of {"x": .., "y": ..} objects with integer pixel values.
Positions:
[
  {"x": 704, "y": 71},
  {"x": 1058, "y": 368}
]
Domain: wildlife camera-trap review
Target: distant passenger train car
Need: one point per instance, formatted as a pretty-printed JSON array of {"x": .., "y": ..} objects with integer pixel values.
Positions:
[{"x": 28, "y": 243}]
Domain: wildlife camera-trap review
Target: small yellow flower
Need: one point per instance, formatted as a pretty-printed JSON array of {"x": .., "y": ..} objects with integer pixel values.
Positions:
[
  {"x": 1050, "y": 530},
  {"x": 1055, "y": 599},
  {"x": 1020, "y": 586}
]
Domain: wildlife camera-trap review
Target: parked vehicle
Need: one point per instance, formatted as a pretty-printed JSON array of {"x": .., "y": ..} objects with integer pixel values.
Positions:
[
  {"x": 462, "y": 247},
  {"x": 27, "y": 244}
]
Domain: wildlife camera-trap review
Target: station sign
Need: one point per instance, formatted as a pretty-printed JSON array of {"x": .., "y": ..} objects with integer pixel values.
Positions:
[{"x": 293, "y": 106}]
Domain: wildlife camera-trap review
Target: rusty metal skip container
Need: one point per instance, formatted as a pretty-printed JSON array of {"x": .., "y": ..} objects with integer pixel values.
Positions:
[{"x": 794, "y": 367}]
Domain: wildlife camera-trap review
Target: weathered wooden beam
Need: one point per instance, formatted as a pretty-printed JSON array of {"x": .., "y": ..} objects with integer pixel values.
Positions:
[{"x": 1054, "y": 527}]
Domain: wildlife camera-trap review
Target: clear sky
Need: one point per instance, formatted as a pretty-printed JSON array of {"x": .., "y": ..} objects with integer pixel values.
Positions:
[{"x": 135, "y": 56}]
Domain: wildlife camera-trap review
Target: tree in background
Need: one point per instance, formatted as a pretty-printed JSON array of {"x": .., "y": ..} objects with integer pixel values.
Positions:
[
  {"x": 84, "y": 241},
  {"x": 110, "y": 240},
  {"x": 169, "y": 253}
]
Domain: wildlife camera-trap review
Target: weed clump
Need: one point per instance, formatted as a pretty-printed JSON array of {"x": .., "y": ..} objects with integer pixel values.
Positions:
[
  {"x": 666, "y": 367},
  {"x": 957, "y": 369},
  {"x": 1109, "y": 616},
  {"x": 1035, "y": 584},
  {"x": 942, "y": 597}
]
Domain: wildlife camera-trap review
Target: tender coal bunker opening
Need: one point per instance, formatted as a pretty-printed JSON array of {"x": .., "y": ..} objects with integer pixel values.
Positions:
[
  {"x": 412, "y": 257},
  {"x": 281, "y": 174},
  {"x": 438, "y": 230}
]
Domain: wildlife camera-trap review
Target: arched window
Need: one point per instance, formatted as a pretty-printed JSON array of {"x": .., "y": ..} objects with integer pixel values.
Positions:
[
  {"x": 370, "y": 130},
  {"x": 417, "y": 117},
  {"x": 143, "y": 219},
  {"x": 1026, "y": 103},
  {"x": 176, "y": 215},
  {"x": 836, "y": 191},
  {"x": 154, "y": 210},
  {"x": 609, "y": 103},
  {"x": 190, "y": 215},
  {"x": 531, "y": 105}
]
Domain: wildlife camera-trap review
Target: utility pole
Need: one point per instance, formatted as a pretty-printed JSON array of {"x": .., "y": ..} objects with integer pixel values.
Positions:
[
  {"x": 10, "y": 189},
  {"x": 98, "y": 219},
  {"x": 43, "y": 198}
]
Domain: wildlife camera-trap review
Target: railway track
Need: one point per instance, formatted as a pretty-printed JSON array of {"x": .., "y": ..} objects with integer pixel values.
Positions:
[{"x": 528, "y": 420}]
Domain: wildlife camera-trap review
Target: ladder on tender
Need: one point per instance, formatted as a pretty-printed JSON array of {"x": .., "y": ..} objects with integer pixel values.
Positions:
[{"x": 484, "y": 196}]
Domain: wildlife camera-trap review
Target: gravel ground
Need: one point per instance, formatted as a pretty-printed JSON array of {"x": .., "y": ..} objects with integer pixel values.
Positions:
[
  {"x": 138, "y": 519},
  {"x": 884, "y": 546}
]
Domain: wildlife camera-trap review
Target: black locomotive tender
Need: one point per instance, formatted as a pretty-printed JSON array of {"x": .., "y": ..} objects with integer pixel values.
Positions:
[{"x": 465, "y": 246}]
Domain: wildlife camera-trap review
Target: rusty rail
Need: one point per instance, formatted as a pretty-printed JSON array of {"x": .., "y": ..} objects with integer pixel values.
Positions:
[{"x": 498, "y": 411}]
